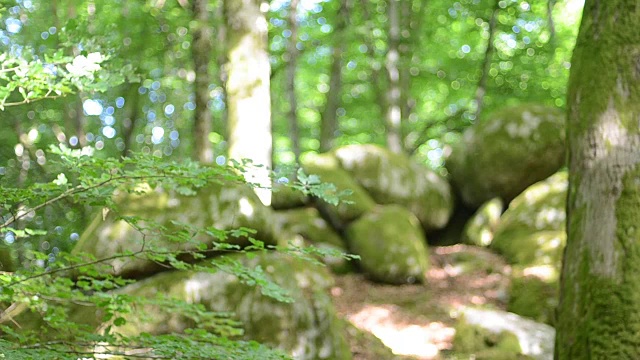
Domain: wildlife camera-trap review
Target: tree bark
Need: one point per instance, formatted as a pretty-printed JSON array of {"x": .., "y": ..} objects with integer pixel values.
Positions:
[
  {"x": 248, "y": 99},
  {"x": 393, "y": 116},
  {"x": 201, "y": 49},
  {"x": 599, "y": 310},
  {"x": 292, "y": 64},
  {"x": 329, "y": 122}
]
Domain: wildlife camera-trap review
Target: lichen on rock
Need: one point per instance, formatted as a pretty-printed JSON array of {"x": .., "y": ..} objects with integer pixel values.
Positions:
[
  {"x": 396, "y": 179},
  {"x": 511, "y": 149}
]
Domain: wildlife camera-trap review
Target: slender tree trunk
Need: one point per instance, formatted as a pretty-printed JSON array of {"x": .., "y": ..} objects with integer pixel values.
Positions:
[
  {"x": 481, "y": 90},
  {"x": 552, "y": 26},
  {"x": 599, "y": 311},
  {"x": 393, "y": 116},
  {"x": 248, "y": 99},
  {"x": 201, "y": 49},
  {"x": 407, "y": 46},
  {"x": 329, "y": 122},
  {"x": 221, "y": 59},
  {"x": 131, "y": 116},
  {"x": 292, "y": 64},
  {"x": 376, "y": 66}
]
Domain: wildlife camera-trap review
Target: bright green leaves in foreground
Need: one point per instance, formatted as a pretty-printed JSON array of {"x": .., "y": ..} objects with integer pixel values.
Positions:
[{"x": 51, "y": 302}]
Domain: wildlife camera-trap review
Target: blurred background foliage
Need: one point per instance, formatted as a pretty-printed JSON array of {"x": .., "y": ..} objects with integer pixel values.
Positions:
[{"x": 143, "y": 100}]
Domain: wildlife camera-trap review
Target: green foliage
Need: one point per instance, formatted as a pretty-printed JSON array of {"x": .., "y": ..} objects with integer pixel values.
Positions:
[{"x": 51, "y": 288}]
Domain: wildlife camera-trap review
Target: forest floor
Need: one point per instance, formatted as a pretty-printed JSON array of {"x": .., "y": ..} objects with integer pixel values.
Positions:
[{"x": 417, "y": 321}]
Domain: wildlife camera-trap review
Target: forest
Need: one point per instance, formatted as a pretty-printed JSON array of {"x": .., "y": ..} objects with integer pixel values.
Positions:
[{"x": 319, "y": 179}]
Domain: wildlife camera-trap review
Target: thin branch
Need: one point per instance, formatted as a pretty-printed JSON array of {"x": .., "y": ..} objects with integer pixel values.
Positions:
[{"x": 78, "y": 190}]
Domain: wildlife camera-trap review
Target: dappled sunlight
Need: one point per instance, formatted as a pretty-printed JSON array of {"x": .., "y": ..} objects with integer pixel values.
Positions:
[
  {"x": 416, "y": 320},
  {"x": 424, "y": 341}
]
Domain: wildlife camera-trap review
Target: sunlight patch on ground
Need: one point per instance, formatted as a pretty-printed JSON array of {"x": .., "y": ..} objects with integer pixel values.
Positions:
[{"x": 421, "y": 341}]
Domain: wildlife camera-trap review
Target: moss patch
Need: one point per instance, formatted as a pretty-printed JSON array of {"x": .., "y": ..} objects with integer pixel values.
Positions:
[
  {"x": 391, "y": 245},
  {"x": 503, "y": 154},
  {"x": 396, "y": 179}
]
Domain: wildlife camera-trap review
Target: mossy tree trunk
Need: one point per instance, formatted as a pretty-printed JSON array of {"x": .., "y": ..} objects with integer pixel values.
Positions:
[
  {"x": 599, "y": 311},
  {"x": 248, "y": 99}
]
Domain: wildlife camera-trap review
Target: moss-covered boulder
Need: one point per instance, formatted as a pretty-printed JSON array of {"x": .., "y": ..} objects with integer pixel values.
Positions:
[
  {"x": 532, "y": 230},
  {"x": 479, "y": 343},
  {"x": 285, "y": 197},
  {"x": 396, "y": 179},
  {"x": 391, "y": 244},
  {"x": 315, "y": 231},
  {"x": 479, "y": 230},
  {"x": 502, "y": 155},
  {"x": 308, "y": 223},
  {"x": 494, "y": 334},
  {"x": 329, "y": 171},
  {"x": 533, "y": 296},
  {"x": 307, "y": 328},
  {"x": 224, "y": 207}
]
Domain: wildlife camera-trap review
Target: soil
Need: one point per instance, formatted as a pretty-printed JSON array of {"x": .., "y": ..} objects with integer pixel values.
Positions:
[{"x": 417, "y": 321}]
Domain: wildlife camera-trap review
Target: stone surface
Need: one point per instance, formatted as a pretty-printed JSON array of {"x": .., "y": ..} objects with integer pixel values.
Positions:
[
  {"x": 534, "y": 339},
  {"x": 329, "y": 171},
  {"x": 480, "y": 229},
  {"x": 532, "y": 230},
  {"x": 223, "y": 207},
  {"x": 508, "y": 151},
  {"x": 391, "y": 244},
  {"x": 307, "y": 328},
  {"x": 308, "y": 223},
  {"x": 284, "y": 197},
  {"x": 396, "y": 179}
]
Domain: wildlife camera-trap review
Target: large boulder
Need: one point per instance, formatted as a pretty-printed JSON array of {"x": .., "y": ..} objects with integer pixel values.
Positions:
[
  {"x": 285, "y": 197},
  {"x": 503, "y": 154},
  {"x": 350, "y": 207},
  {"x": 396, "y": 179},
  {"x": 391, "y": 245},
  {"x": 531, "y": 235},
  {"x": 314, "y": 230},
  {"x": 496, "y": 335},
  {"x": 307, "y": 327},
  {"x": 532, "y": 230},
  {"x": 308, "y": 223},
  {"x": 224, "y": 207}
]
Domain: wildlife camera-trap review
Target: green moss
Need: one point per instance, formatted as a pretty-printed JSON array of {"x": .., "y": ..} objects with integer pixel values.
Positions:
[
  {"x": 391, "y": 245},
  {"x": 532, "y": 230},
  {"x": 533, "y": 297},
  {"x": 285, "y": 197},
  {"x": 307, "y": 328},
  {"x": 479, "y": 230},
  {"x": 599, "y": 315},
  {"x": 473, "y": 341},
  {"x": 506, "y": 152},
  {"x": 326, "y": 166}
]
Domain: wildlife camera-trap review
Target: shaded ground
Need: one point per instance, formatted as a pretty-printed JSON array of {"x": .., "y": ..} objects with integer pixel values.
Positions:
[{"x": 416, "y": 321}]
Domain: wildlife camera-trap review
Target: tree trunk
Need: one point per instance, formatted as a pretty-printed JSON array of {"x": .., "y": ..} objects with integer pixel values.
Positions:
[
  {"x": 329, "y": 122},
  {"x": 481, "y": 90},
  {"x": 201, "y": 49},
  {"x": 248, "y": 100},
  {"x": 292, "y": 64},
  {"x": 130, "y": 119},
  {"x": 599, "y": 311},
  {"x": 393, "y": 116}
]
